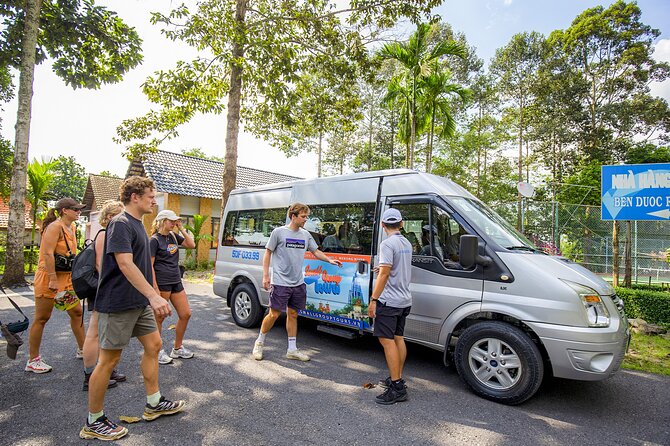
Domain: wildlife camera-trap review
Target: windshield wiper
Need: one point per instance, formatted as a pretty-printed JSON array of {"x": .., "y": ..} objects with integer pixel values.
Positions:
[{"x": 522, "y": 248}]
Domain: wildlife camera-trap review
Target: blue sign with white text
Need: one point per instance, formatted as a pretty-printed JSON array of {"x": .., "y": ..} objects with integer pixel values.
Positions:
[{"x": 635, "y": 192}]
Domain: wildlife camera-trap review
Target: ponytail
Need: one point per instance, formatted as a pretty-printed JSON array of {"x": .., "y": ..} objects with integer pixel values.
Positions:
[{"x": 50, "y": 218}]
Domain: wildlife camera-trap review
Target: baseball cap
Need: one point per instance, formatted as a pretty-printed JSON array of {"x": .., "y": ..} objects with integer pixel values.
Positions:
[
  {"x": 167, "y": 214},
  {"x": 391, "y": 215},
  {"x": 69, "y": 203}
]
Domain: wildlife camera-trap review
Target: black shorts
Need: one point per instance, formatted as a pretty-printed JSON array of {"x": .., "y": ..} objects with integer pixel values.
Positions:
[
  {"x": 390, "y": 321},
  {"x": 172, "y": 287},
  {"x": 294, "y": 297}
]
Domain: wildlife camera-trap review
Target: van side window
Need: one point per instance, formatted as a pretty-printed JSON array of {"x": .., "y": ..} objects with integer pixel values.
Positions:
[
  {"x": 343, "y": 228},
  {"x": 432, "y": 232},
  {"x": 253, "y": 228},
  {"x": 227, "y": 238}
]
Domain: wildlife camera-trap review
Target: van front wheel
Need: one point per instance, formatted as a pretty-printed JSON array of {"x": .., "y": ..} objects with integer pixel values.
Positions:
[
  {"x": 499, "y": 362},
  {"x": 245, "y": 307}
]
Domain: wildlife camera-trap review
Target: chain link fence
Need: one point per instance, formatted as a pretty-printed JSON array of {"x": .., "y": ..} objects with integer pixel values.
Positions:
[{"x": 577, "y": 232}]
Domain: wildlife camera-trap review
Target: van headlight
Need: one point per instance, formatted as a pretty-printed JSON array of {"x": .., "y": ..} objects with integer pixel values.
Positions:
[{"x": 596, "y": 311}]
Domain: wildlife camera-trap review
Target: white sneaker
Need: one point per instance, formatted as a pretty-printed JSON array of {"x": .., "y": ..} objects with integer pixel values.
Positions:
[
  {"x": 296, "y": 354},
  {"x": 181, "y": 352},
  {"x": 163, "y": 358},
  {"x": 257, "y": 352},
  {"x": 37, "y": 366},
  {"x": 80, "y": 353}
]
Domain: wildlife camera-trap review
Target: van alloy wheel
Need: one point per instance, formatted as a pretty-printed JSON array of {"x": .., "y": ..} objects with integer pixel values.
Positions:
[
  {"x": 245, "y": 307},
  {"x": 494, "y": 363},
  {"x": 499, "y": 361}
]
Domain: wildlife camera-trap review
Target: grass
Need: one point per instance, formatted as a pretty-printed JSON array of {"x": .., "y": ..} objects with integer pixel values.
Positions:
[
  {"x": 199, "y": 276},
  {"x": 648, "y": 353}
]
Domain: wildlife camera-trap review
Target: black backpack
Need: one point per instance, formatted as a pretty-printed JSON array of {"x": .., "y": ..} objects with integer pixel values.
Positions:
[{"x": 84, "y": 274}]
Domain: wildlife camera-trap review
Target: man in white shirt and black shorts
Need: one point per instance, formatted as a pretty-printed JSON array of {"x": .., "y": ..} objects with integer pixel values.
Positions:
[{"x": 391, "y": 302}]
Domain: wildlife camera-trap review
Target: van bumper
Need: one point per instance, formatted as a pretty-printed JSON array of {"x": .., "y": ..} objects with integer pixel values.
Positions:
[{"x": 586, "y": 354}]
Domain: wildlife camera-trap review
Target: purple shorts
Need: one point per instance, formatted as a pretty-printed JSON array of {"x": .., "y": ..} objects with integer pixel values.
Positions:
[{"x": 282, "y": 297}]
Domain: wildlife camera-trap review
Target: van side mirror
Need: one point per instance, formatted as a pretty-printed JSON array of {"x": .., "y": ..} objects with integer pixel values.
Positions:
[{"x": 469, "y": 252}]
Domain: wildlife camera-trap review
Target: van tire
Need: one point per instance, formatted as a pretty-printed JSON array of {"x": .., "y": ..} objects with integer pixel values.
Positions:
[
  {"x": 245, "y": 307},
  {"x": 479, "y": 349}
]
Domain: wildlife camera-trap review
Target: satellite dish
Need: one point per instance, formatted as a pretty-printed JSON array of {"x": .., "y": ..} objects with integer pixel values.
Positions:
[{"x": 526, "y": 189}]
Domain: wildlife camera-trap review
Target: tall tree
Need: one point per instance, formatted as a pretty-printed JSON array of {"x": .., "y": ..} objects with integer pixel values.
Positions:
[
  {"x": 69, "y": 179},
  {"x": 415, "y": 56},
  {"x": 89, "y": 46},
  {"x": 515, "y": 66},
  {"x": 256, "y": 53}
]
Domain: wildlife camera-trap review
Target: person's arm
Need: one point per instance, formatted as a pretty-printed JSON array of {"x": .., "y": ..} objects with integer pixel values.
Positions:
[
  {"x": 137, "y": 279},
  {"x": 188, "y": 242},
  {"x": 266, "y": 269},
  {"x": 99, "y": 246},
  {"x": 321, "y": 256},
  {"x": 380, "y": 283},
  {"x": 49, "y": 241}
]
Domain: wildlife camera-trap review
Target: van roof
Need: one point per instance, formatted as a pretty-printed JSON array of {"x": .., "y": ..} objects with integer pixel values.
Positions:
[{"x": 423, "y": 181}]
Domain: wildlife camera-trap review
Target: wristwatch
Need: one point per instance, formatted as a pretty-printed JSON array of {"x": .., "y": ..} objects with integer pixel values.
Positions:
[{"x": 374, "y": 300}]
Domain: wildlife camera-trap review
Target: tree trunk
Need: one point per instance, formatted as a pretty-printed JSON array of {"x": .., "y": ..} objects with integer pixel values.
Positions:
[
  {"x": 519, "y": 201},
  {"x": 412, "y": 125},
  {"x": 14, "y": 272},
  {"x": 628, "y": 269},
  {"x": 318, "y": 169},
  {"x": 392, "y": 138},
  {"x": 429, "y": 156},
  {"x": 615, "y": 253},
  {"x": 479, "y": 152},
  {"x": 234, "y": 104}
]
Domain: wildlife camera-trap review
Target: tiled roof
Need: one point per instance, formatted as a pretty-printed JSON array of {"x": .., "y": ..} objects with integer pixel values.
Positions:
[
  {"x": 100, "y": 189},
  {"x": 4, "y": 214},
  {"x": 186, "y": 175}
]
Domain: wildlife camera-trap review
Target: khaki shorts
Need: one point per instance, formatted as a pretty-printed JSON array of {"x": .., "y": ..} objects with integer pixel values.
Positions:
[{"x": 116, "y": 329}]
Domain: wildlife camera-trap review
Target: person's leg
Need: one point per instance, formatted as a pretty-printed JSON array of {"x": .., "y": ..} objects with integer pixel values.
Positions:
[
  {"x": 91, "y": 346},
  {"x": 292, "y": 322},
  {"x": 181, "y": 305},
  {"x": 269, "y": 320},
  {"x": 152, "y": 344},
  {"x": 97, "y": 386},
  {"x": 402, "y": 352},
  {"x": 43, "y": 308},
  {"x": 77, "y": 324},
  {"x": 392, "y": 356},
  {"x": 159, "y": 319}
]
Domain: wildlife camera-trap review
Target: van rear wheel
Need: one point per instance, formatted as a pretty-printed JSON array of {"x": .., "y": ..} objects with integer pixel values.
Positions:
[
  {"x": 246, "y": 309},
  {"x": 499, "y": 362}
]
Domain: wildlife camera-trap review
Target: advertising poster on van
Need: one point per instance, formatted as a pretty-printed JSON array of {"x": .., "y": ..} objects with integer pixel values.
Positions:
[{"x": 338, "y": 295}]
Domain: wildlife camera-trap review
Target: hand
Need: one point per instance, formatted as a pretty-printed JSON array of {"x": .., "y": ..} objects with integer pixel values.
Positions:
[
  {"x": 335, "y": 262},
  {"x": 160, "y": 306},
  {"x": 53, "y": 283},
  {"x": 375, "y": 270},
  {"x": 266, "y": 283},
  {"x": 372, "y": 308},
  {"x": 177, "y": 225}
]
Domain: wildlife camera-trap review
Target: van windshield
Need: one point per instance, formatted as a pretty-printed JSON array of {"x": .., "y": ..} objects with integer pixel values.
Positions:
[{"x": 493, "y": 225}]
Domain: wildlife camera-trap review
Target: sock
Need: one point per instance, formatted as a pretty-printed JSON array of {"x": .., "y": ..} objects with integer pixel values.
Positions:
[
  {"x": 261, "y": 337},
  {"x": 94, "y": 416},
  {"x": 88, "y": 370},
  {"x": 154, "y": 399},
  {"x": 291, "y": 343},
  {"x": 398, "y": 384}
]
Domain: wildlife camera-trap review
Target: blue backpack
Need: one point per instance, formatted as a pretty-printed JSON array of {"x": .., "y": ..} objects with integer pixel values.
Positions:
[{"x": 84, "y": 274}]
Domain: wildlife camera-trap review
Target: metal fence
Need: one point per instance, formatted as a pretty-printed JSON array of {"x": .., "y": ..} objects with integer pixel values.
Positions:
[{"x": 577, "y": 232}]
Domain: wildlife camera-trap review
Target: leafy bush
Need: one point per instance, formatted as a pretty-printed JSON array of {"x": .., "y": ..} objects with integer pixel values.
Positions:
[
  {"x": 192, "y": 265},
  {"x": 652, "y": 306},
  {"x": 27, "y": 259}
]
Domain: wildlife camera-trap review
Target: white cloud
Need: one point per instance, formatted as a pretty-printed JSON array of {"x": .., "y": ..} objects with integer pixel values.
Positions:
[
  {"x": 662, "y": 54},
  {"x": 507, "y": 2}
]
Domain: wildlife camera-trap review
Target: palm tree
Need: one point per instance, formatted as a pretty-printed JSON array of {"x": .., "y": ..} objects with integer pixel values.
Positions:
[
  {"x": 196, "y": 230},
  {"x": 437, "y": 92},
  {"x": 415, "y": 56},
  {"x": 40, "y": 177}
]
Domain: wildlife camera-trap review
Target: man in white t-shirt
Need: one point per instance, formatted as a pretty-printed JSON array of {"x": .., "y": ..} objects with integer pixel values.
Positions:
[
  {"x": 391, "y": 302},
  {"x": 288, "y": 292}
]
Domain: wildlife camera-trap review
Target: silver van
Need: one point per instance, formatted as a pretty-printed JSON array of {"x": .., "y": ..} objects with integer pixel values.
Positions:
[{"x": 502, "y": 311}]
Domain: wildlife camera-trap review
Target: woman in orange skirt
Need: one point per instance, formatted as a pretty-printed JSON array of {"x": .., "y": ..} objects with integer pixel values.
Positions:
[{"x": 54, "y": 287}]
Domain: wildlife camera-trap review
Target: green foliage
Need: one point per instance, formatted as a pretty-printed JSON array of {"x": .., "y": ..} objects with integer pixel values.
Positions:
[
  {"x": 652, "y": 306},
  {"x": 198, "y": 153},
  {"x": 192, "y": 264},
  {"x": 197, "y": 230},
  {"x": 89, "y": 44},
  {"x": 106, "y": 173},
  {"x": 651, "y": 354},
  {"x": 40, "y": 177},
  {"x": 6, "y": 160},
  {"x": 69, "y": 180},
  {"x": 30, "y": 258}
]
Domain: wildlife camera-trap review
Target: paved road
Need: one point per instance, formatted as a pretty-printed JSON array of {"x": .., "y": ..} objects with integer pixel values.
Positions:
[{"x": 233, "y": 399}]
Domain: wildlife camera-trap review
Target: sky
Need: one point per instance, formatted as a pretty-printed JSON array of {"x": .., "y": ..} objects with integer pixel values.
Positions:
[{"x": 82, "y": 123}]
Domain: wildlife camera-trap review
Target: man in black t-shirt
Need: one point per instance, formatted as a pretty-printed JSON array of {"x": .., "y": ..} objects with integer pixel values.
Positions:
[{"x": 126, "y": 302}]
